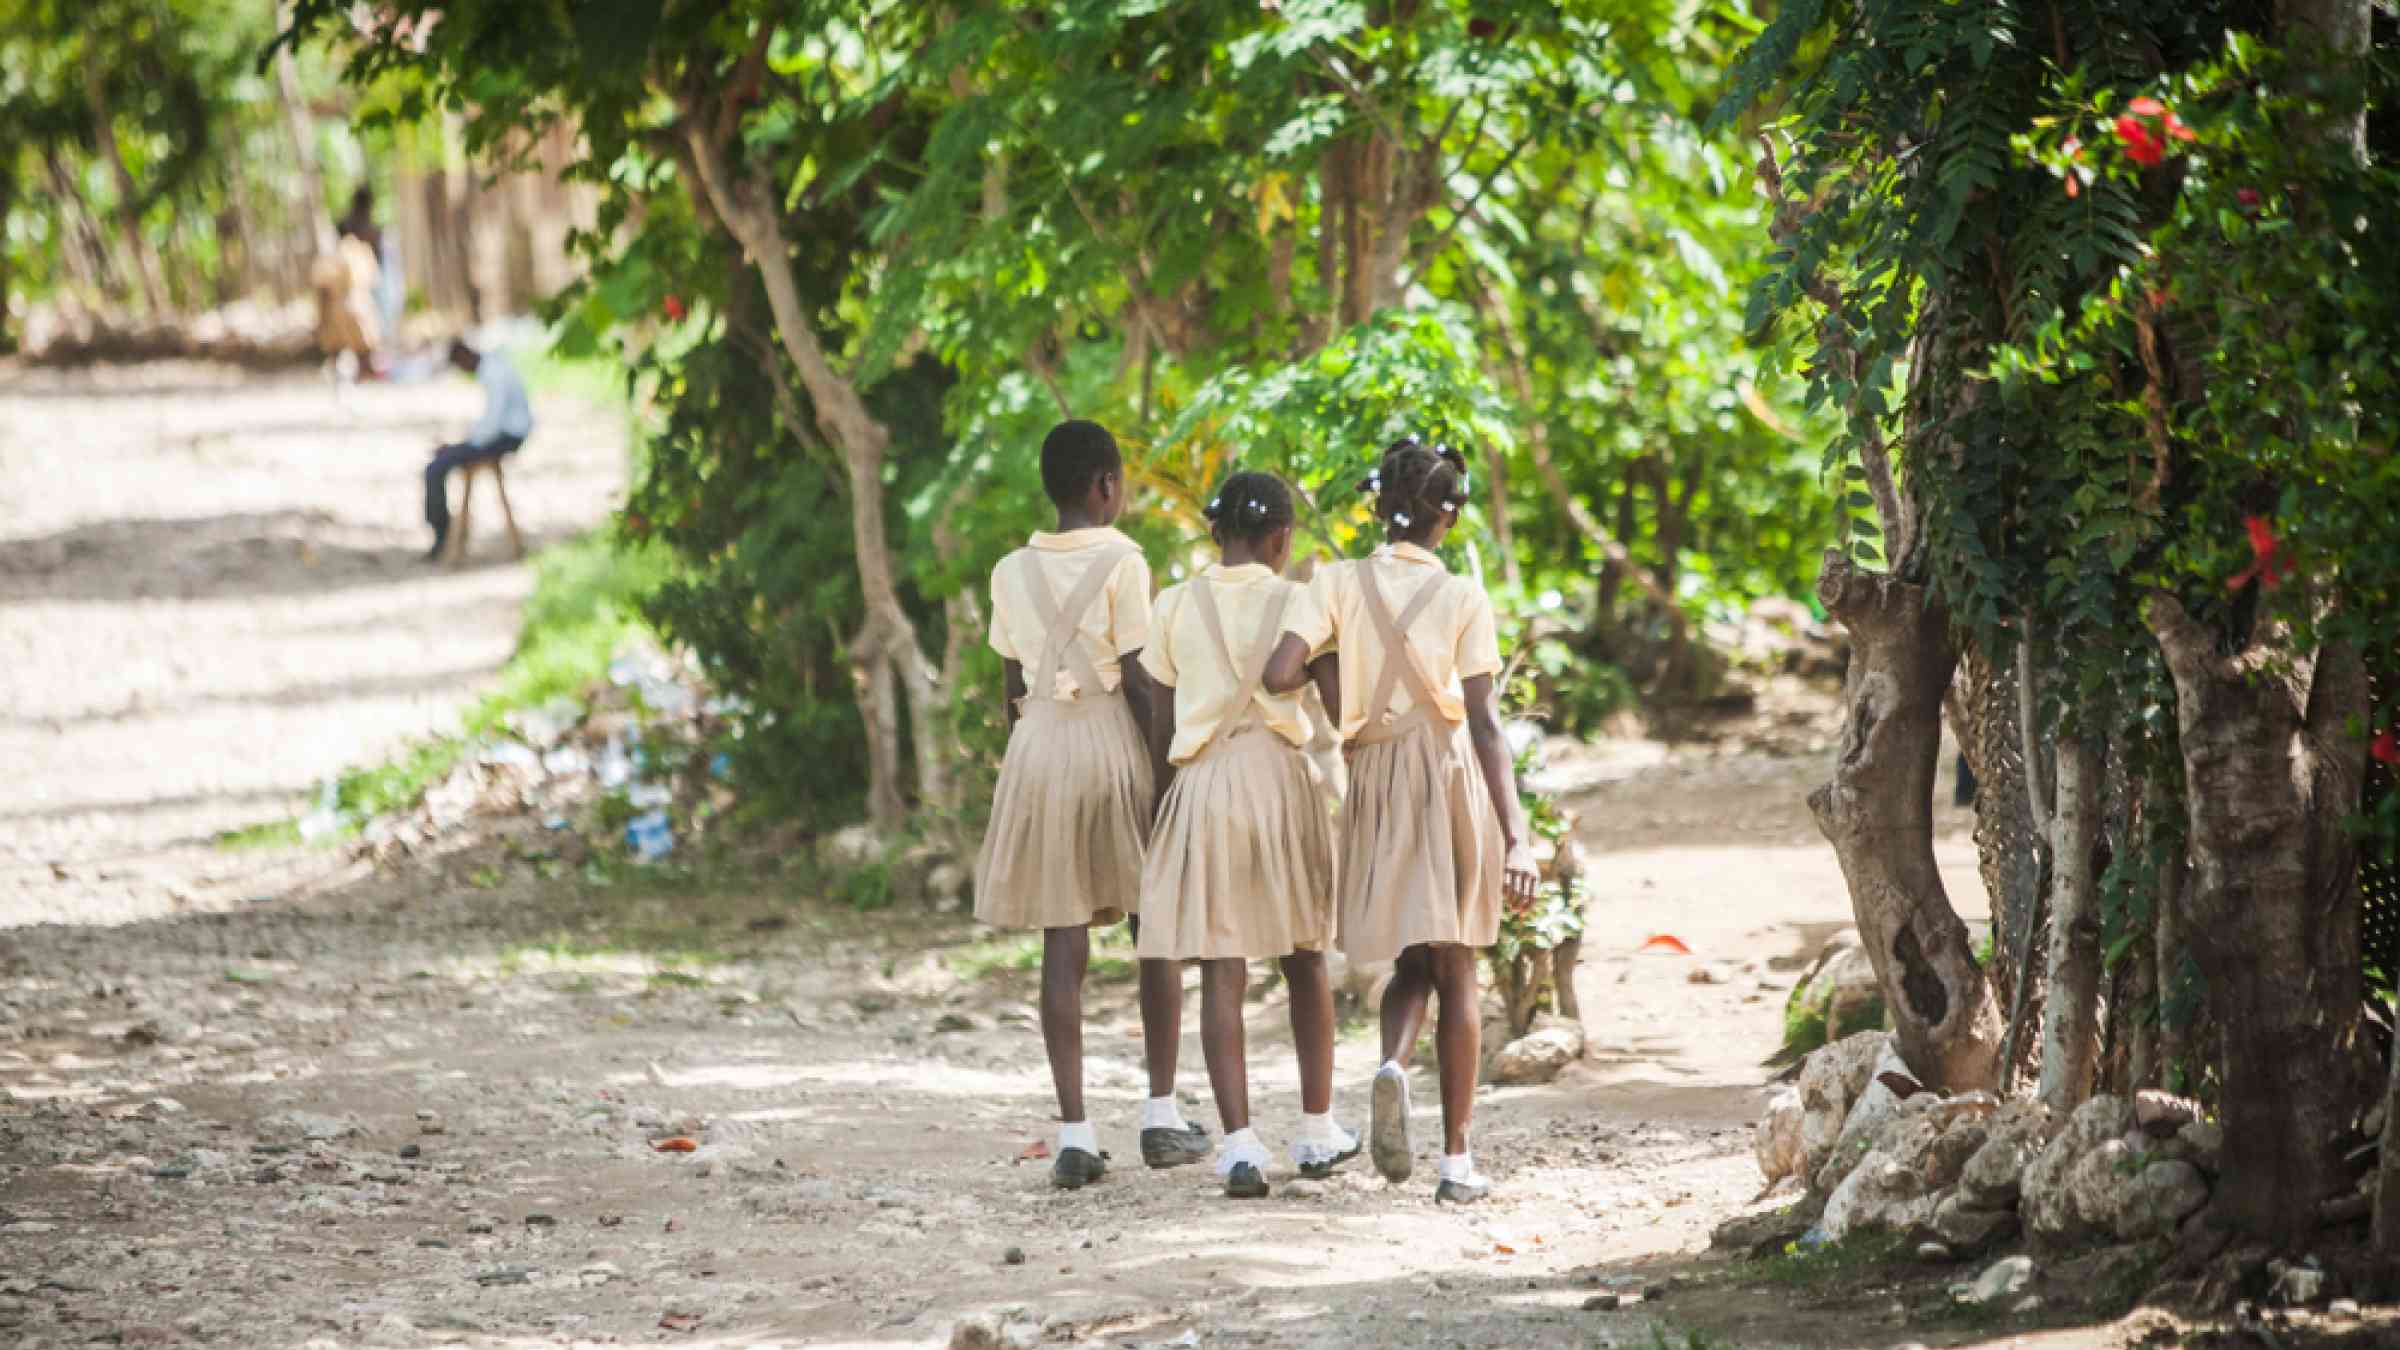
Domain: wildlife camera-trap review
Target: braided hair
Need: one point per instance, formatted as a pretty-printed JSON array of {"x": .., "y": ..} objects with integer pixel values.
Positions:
[
  {"x": 1249, "y": 507},
  {"x": 1416, "y": 483}
]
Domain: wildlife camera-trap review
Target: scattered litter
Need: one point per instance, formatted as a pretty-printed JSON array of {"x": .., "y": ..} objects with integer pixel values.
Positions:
[
  {"x": 681, "y": 1143},
  {"x": 649, "y": 836},
  {"x": 1033, "y": 1151},
  {"x": 1666, "y": 942},
  {"x": 681, "y": 1321}
]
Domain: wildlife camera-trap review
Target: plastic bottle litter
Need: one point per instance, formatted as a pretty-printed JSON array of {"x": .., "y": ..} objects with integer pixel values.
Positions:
[
  {"x": 720, "y": 767},
  {"x": 649, "y": 836},
  {"x": 644, "y": 796},
  {"x": 326, "y": 819},
  {"x": 510, "y": 755},
  {"x": 568, "y": 761},
  {"x": 616, "y": 767}
]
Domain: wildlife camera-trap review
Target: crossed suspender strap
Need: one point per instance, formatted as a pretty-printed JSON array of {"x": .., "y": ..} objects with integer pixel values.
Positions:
[
  {"x": 1400, "y": 660},
  {"x": 1246, "y": 677},
  {"x": 1059, "y": 624}
]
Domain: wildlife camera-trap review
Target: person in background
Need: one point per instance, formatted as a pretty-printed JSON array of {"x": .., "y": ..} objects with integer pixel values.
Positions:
[
  {"x": 390, "y": 293},
  {"x": 507, "y": 420}
]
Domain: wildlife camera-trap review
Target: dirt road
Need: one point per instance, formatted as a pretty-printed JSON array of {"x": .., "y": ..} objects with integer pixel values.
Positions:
[
  {"x": 422, "y": 1110},
  {"x": 212, "y": 597}
]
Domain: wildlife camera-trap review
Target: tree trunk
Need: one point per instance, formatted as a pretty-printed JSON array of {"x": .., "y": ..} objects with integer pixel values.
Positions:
[
  {"x": 308, "y": 185},
  {"x": 888, "y": 637},
  {"x": 2071, "y": 1014},
  {"x": 142, "y": 258},
  {"x": 1878, "y": 813},
  {"x": 2271, "y": 910}
]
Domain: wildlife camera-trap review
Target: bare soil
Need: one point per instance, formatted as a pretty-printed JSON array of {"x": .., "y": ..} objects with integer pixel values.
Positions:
[{"x": 427, "y": 1106}]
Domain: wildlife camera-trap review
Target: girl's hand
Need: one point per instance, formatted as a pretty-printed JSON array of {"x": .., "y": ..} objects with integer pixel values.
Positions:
[{"x": 1520, "y": 876}]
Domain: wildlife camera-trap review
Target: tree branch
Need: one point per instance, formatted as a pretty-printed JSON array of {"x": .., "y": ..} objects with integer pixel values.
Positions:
[{"x": 1874, "y": 457}]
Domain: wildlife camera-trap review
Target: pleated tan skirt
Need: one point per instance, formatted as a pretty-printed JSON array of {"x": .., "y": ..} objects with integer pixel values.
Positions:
[
  {"x": 1070, "y": 818},
  {"x": 1242, "y": 864},
  {"x": 1420, "y": 854}
]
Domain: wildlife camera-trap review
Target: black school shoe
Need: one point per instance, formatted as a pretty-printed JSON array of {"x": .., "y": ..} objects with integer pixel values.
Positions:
[
  {"x": 1461, "y": 1192},
  {"x": 1162, "y": 1147},
  {"x": 1245, "y": 1182},
  {"x": 1077, "y": 1168},
  {"x": 1318, "y": 1171}
]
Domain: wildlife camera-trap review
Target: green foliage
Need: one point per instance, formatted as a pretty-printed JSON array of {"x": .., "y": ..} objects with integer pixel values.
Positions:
[{"x": 1265, "y": 236}]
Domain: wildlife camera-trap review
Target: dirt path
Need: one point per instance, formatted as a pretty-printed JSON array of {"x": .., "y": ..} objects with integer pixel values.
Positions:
[
  {"x": 211, "y": 598},
  {"x": 415, "y": 1112}
]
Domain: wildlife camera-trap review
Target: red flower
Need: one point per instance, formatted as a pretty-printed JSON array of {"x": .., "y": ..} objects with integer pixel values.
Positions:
[
  {"x": 2140, "y": 146},
  {"x": 2146, "y": 106},
  {"x": 2178, "y": 130},
  {"x": 1481, "y": 28},
  {"x": 2269, "y": 565},
  {"x": 2386, "y": 747},
  {"x": 674, "y": 308},
  {"x": 2249, "y": 199}
]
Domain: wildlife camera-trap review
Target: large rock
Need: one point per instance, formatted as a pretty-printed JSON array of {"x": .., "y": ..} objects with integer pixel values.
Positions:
[
  {"x": 1540, "y": 1054},
  {"x": 1898, "y": 1185},
  {"x": 1830, "y": 1081},
  {"x": 1872, "y": 1108},
  {"x": 2013, "y": 1139},
  {"x": 1838, "y": 997},
  {"x": 2159, "y": 1199},
  {"x": 1777, "y": 1144},
  {"x": 2050, "y": 1206},
  {"x": 1967, "y": 1230}
]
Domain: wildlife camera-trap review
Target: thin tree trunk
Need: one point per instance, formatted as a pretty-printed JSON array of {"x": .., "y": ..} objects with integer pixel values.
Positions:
[
  {"x": 308, "y": 184},
  {"x": 2071, "y": 1012},
  {"x": 2174, "y": 1042},
  {"x": 140, "y": 257},
  {"x": 2272, "y": 906},
  {"x": 888, "y": 637},
  {"x": 1878, "y": 813}
]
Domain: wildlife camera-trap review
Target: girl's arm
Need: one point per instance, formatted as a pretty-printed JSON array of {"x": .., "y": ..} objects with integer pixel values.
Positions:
[
  {"x": 1012, "y": 689},
  {"x": 1162, "y": 739},
  {"x": 1326, "y": 670},
  {"x": 1519, "y": 874},
  {"x": 1287, "y": 669}
]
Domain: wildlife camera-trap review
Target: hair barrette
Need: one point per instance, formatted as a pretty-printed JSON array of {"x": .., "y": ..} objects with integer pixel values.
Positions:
[{"x": 1400, "y": 518}]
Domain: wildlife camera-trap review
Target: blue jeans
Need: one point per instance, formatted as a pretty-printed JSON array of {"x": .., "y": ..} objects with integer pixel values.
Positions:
[{"x": 437, "y": 474}]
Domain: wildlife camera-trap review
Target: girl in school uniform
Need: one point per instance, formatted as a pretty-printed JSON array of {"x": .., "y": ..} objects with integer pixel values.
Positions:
[
  {"x": 1072, "y": 811},
  {"x": 1431, "y": 835},
  {"x": 1241, "y": 865}
]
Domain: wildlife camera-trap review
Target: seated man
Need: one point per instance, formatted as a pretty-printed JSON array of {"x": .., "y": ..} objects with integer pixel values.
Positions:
[{"x": 507, "y": 420}]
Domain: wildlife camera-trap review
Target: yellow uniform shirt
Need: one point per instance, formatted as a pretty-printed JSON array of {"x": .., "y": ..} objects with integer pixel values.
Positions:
[
  {"x": 1454, "y": 640},
  {"x": 1115, "y": 625},
  {"x": 1185, "y": 656}
]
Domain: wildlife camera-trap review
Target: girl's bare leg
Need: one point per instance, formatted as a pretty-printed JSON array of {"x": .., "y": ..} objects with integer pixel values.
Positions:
[
  {"x": 1222, "y": 984},
  {"x": 1066, "y": 953},
  {"x": 1312, "y": 1028},
  {"x": 1458, "y": 1038},
  {"x": 1162, "y": 1022},
  {"x": 1404, "y": 1000}
]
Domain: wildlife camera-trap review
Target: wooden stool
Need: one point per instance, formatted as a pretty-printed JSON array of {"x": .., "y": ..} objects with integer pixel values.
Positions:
[{"x": 456, "y": 545}]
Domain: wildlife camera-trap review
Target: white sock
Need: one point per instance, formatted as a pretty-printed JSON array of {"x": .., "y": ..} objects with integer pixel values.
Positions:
[
  {"x": 1321, "y": 1130},
  {"x": 1458, "y": 1166},
  {"x": 1078, "y": 1135},
  {"x": 1241, "y": 1146},
  {"x": 1393, "y": 1066},
  {"x": 1161, "y": 1113}
]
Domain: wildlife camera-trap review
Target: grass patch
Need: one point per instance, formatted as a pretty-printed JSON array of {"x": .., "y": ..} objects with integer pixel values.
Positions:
[
  {"x": 1113, "y": 961},
  {"x": 268, "y": 834},
  {"x": 584, "y": 606},
  {"x": 1833, "y": 1263}
]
